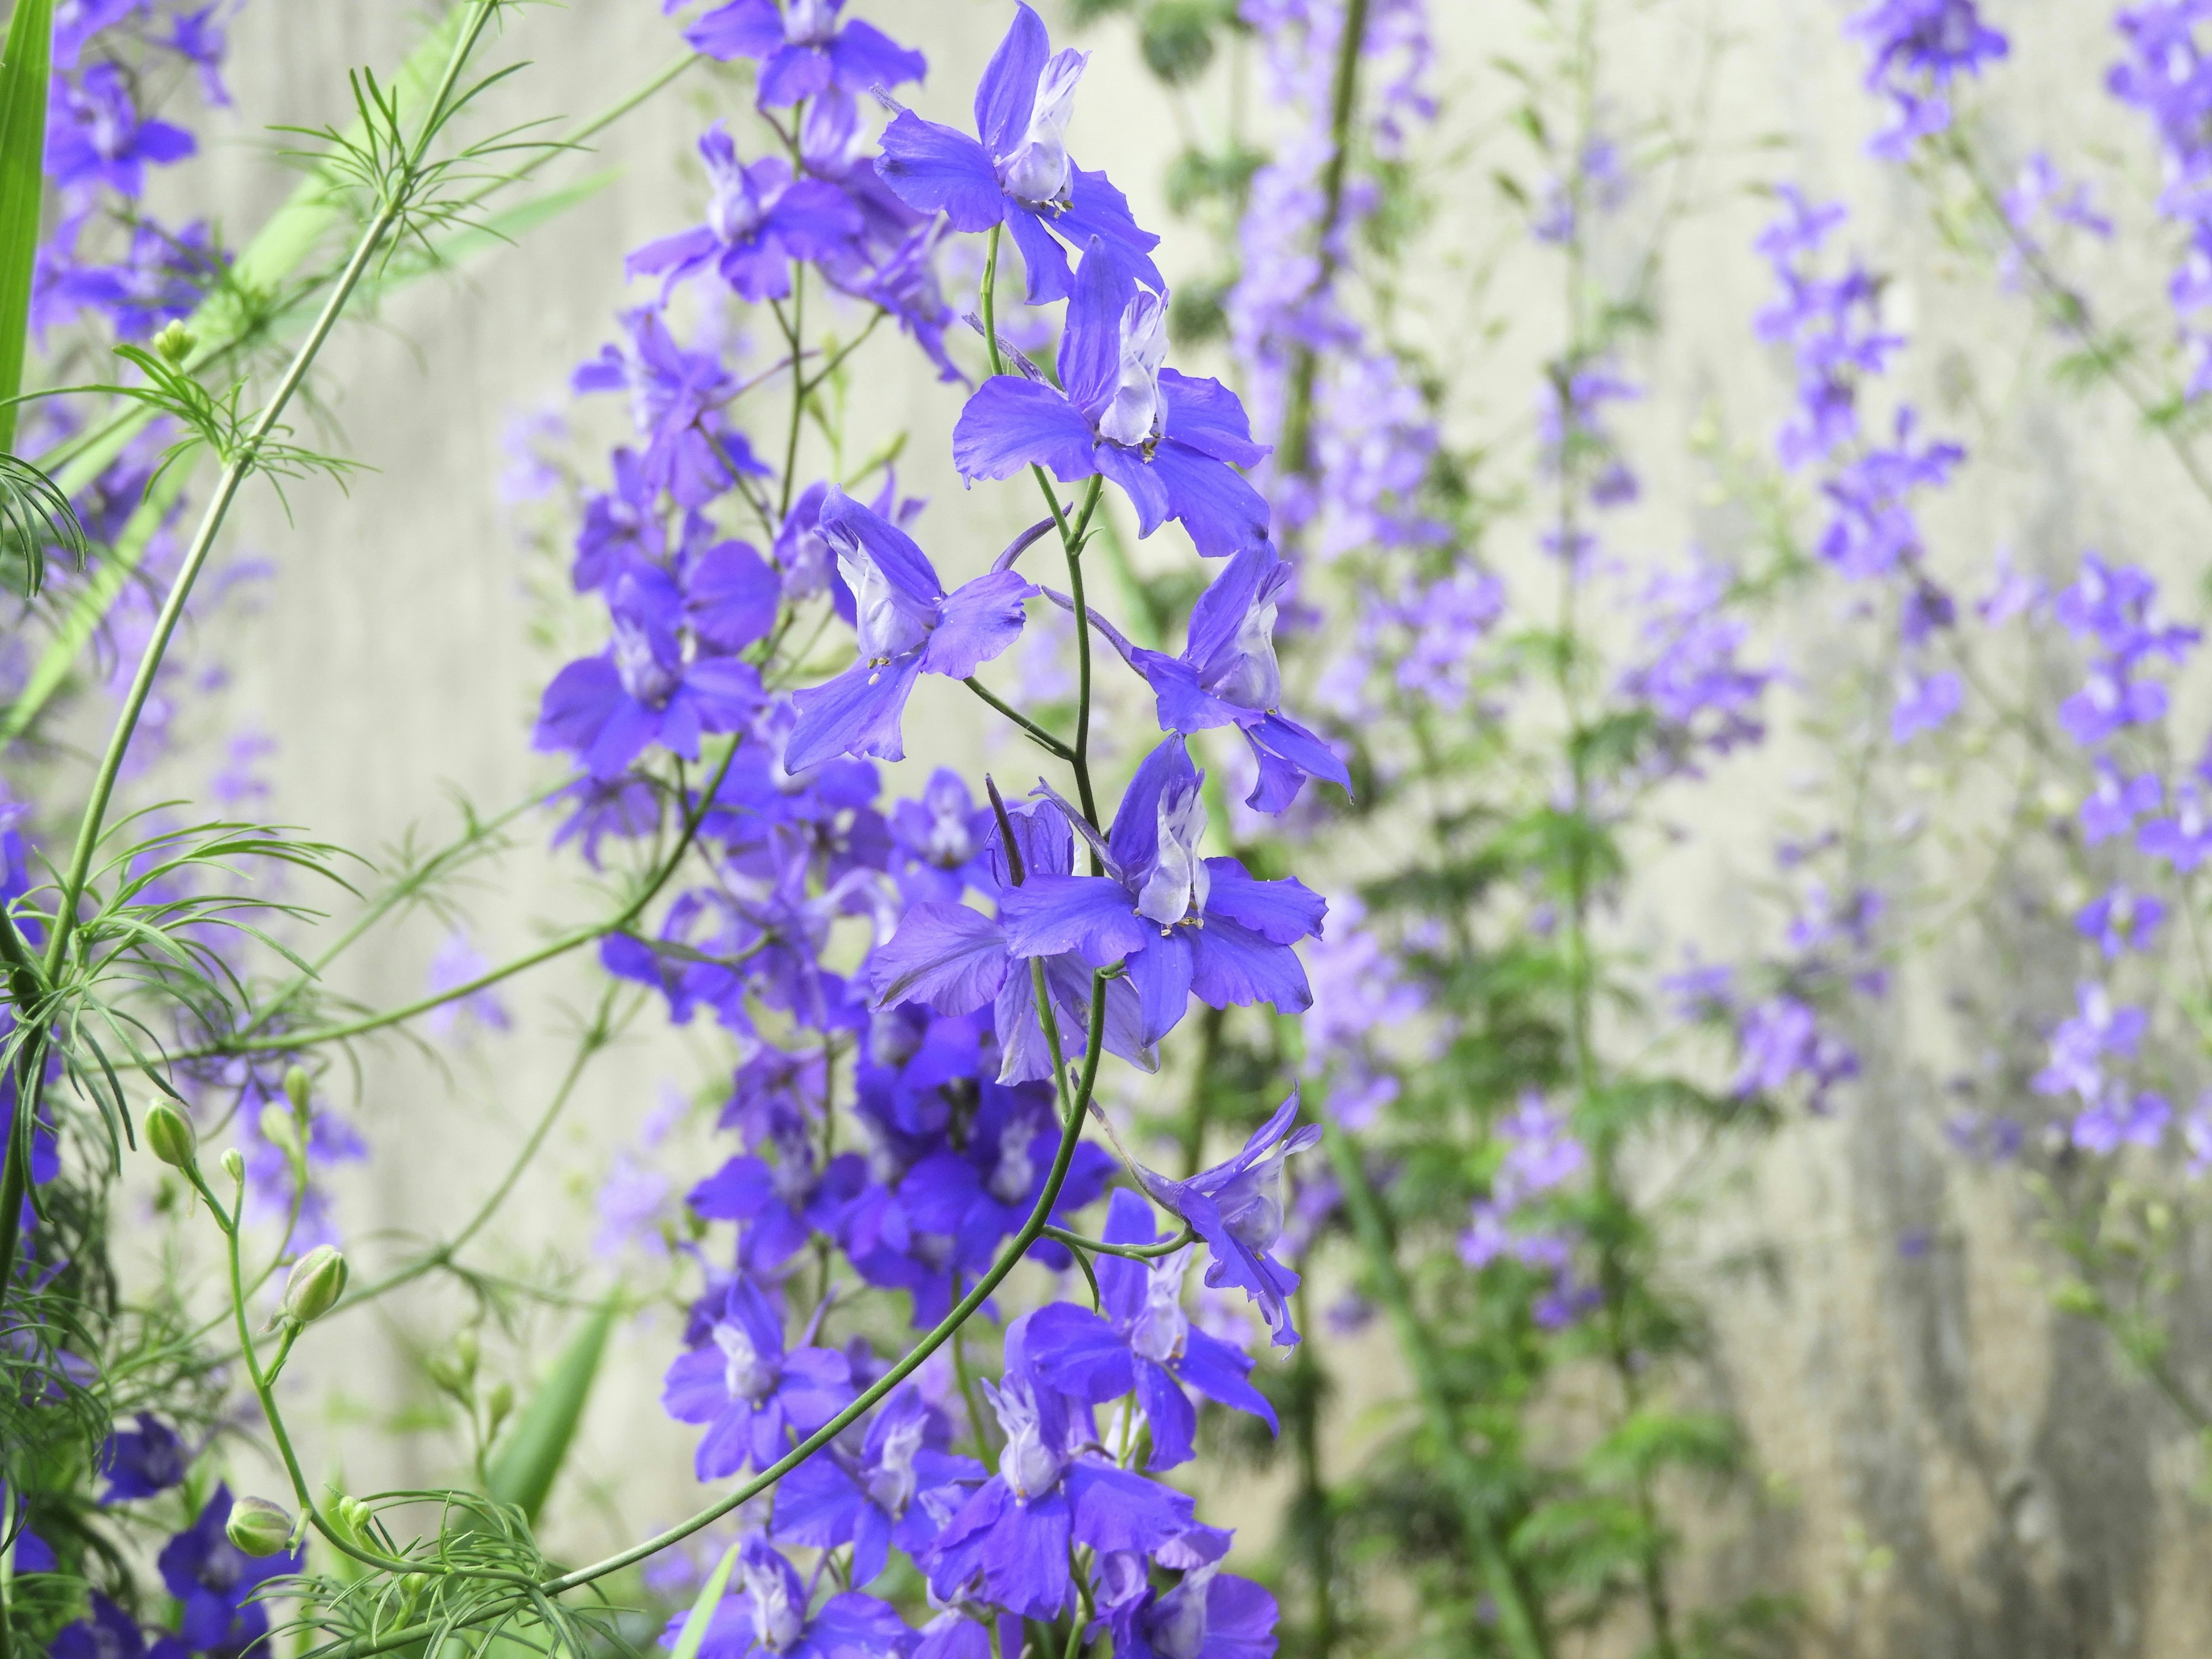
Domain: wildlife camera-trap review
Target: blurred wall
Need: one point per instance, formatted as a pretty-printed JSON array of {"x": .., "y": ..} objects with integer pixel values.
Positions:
[{"x": 1946, "y": 1468}]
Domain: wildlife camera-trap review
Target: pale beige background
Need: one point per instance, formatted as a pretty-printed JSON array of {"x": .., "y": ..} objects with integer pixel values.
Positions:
[{"x": 1947, "y": 1470}]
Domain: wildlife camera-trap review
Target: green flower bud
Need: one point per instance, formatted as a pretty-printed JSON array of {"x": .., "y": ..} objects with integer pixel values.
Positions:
[
  {"x": 317, "y": 1281},
  {"x": 280, "y": 1129},
  {"x": 257, "y": 1527},
  {"x": 298, "y": 1085},
  {"x": 233, "y": 1165},
  {"x": 169, "y": 1135},
  {"x": 175, "y": 344}
]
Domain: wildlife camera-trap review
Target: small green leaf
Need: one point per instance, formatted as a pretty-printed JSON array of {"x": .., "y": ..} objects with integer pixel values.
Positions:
[
  {"x": 25, "y": 64},
  {"x": 703, "y": 1610},
  {"x": 531, "y": 1455}
]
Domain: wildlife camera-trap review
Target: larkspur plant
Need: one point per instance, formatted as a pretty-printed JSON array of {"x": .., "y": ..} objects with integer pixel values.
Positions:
[{"x": 1004, "y": 1064}]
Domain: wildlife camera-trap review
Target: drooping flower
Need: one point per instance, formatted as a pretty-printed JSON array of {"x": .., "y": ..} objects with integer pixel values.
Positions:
[
  {"x": 900, "y": 1490},
  {"x": 1180, "y": 923},
  {"x": 1020, "y": 174},
  {"x": 1237, "y": 1208},
  {"x": 1142, "y": 1341},
  {"x": 909, "y": 626},
  {"x": 806, "y": 49},
  {"x": 750, "y": 1392},
  {"x": 1171, "y": 443}
]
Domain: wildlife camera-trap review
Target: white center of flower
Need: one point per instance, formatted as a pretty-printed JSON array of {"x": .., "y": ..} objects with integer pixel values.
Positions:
[
  {"x": 887, "y": 628},
  {"x": 1162, "y": 1328},
  {"x": 1134, "y": 416},
  {"x": 1179, "y": 881},
  {"x": 744, "y": 1373},
  {"x": 1028, "y": 1464},
  {"x": 891, "y": 1483},
  {"x": 1038, "y": 171}
]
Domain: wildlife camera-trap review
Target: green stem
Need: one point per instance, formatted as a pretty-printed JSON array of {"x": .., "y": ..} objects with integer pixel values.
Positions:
[{"x": 1517, "y": 1623}]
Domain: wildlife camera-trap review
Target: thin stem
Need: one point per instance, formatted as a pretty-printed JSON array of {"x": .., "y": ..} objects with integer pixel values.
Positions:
[{"x": 1515, "y": 1619}]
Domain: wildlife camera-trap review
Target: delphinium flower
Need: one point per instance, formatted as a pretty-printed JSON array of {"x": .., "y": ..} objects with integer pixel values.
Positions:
[
  {"x": 1919, "y": 48},
  {"x": 773, "y": 1616},
  {"x": 752, "y": 1393},
  {"x": 1170, "y": 442},
  {"x": 1019, "y": 174},
  {"x": 804, "y": 48},
  {"x": 1142, "y": 1341}
]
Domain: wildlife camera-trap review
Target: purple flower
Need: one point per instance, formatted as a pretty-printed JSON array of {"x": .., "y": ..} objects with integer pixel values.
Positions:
[
  {"x": 804, "y": 50},
  {"x": 2117, "y": 1120},
  {"x": 759, "y": 221},
  {"x": 1237, "y": 1207},
  {"x": 748, "y": 1390},
  {"x": 1924, "y": 703},
  {"x": 909, "y": 626},
  {"x": 770, "y": 1617},
  {"x": 1143, "y": 1341},
  {"x": 96, "y": 135},
  {"x": 214, "y": 1581},
  {"x": 1020, "y": 175},
  {"x": 1180, "y": 924},
  {"x": 645, "y": 689},
  {"x": 1171, "y": 442},
  {"x": 901, "y": 1489},
  {"x": 1010, "y": 1542},
  {"x": 2120, "y": 920},
  {"x": 2079, "y": 1045},
  {"x": 1227, "y": 675},
  {"x": 143, "y": 1462}
]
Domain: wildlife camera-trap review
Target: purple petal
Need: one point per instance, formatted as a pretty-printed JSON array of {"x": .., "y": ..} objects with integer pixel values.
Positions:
[
  {"x": 1089, "y": 915},
  {"x": 948, "y": 955},
  {"x": 935, "y": 169},
  {"x": 1011, "y": 423},
  {"x": 856, "y": 714},
  {"x": 979, "y": 620}
]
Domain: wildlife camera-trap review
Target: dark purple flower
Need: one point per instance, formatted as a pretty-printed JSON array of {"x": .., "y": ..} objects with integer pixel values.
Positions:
[
  {"x": 1020, "y": 175},
  {"x": 1227, "y": 675},
  {"x": 1143, "y": 1340},
  {"x": 1010, "y": 1544},
  {"x": 748, "y": 1390},
  {"x": 1237, "y": 1207},
  {"x": 806, "y": 49},
  {"x": 901, "y": 1490},
  {"x": 142, "y": 1461},
  {"x": 1171, "y": 442},
  {"x": 760, "y": 220},
  {"x": 646, "y": 688},
  {"x": 96, "y": 135},
  {"x": 1180, "y": 923},
  {"x": 215, "y": 1580},
  {"x": 770, "y": 1617},
  {"x": 909, "y": 626}
]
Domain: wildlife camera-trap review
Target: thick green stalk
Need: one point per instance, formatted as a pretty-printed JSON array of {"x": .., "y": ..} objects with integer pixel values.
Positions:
[{"x": 1516, "y": 1620}]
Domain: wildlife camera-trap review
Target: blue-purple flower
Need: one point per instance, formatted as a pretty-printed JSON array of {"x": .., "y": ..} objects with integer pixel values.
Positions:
[
  {"x": 1142, "y": 1341},
  {"x": 1020, "y": 174},
  {"x": 804, "y": 48},
  {"x": 909, "y": 626},
  {"x": 750, "y": 1392},
  {"x": 1171, "y": 442}
]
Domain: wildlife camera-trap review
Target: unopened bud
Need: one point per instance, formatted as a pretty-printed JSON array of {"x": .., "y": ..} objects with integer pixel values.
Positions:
[
  {"x": 233, "y": 1165},
  {"x": 175, "y": 344},
  {"x": 280, "y": 1129},
  {"x": 318, "y": 1279},
  {"x": 257, "y": 1527},
  {"x": 169, "y": 1135},
  {"x": 298, "y": 1085}
]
